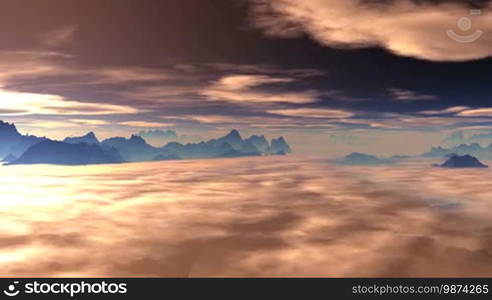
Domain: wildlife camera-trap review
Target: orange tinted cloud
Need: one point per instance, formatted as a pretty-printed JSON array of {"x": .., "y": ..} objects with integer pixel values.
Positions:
[
  {"x": 314, "y": 113},
  {"x": 480, "y": 112},
  {"x": 403, "y": 27},
  {"x": 247, "y": 89},
  {"x": 19, "y": 103}
]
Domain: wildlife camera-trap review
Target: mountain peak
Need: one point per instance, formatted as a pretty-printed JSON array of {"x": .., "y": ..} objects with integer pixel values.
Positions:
[
  {"x": 259, "y": 142},
  {"x": 8, "y": 128},
  {"x": 279, "y": 145},
  {"x": 12, "y": 142},
  {"x": 465, "y": 161},
  {"x": 233, "y": 138},
  {"x": 89, "y": 138},
  {"x": 136, "y": 137},
  {"x": 233, "y": 133}
]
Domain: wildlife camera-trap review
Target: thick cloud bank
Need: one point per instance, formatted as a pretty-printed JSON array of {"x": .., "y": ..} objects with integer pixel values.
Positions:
[
  {"x": 245, "y": 217},
  {"x": 408, "y": 28}
]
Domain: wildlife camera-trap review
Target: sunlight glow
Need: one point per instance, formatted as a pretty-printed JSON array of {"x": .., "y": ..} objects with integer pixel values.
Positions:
[{"x": 19, "y": 104}]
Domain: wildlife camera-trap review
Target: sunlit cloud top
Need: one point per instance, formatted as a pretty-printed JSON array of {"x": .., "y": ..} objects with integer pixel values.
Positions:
[{"x": 405, "y": 27}]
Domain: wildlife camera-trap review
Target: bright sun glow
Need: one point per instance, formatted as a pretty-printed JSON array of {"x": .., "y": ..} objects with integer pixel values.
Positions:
[{"x": 18, "y": 104}]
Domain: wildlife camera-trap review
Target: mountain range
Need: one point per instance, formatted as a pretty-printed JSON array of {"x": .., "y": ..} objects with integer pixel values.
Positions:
[
  {"x": 162, "y": 137},
  {"x": 89, "y": 138},
  {"x": 13, "y": 143},
  {"x": 82, "y": 150},
  {"x": 232, "y": 145},
  {"x": 60, "y": 153},
  {"x": 474, "y": 149},
  {"x": 459, "y": 137}
]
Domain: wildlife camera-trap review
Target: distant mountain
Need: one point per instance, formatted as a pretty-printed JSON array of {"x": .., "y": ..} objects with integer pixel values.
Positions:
[
  {"x": 137, "y": 149},
  {"x": 12, "y": 142},
  {"x": 437, "y": 152},
  {"x": 363, "y": 159},
  {"x": 260, "y": 142},
  {"x": 222, "y": 147},
  {"x": 32, "y": 149},
  {"x": 133, "y": 149},
  {"x": 157, "y": 133},
  {"x": 233, "y": 138},
  {"x": 459, "y": 137},
  {"x": 8, "y": 132},
  {"x": 279, "y": 146},
  {"x": 212, "y": 148},
  {"x": 89, "y": 138},
  {"x": 465, "y": 161},
  {"x": 158, "y": 137},
  {"x": 474, "y": 149},
  {"x": 249, "y": 147},
  {"x": 455, "y": 138},
  {"x": 60, "y": 153},
  {"x": 9, "y": 158},
  {"x": 486, "y": 136}
]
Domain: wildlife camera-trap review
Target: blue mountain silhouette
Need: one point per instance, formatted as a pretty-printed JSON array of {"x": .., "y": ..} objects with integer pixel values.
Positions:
[
  {"x": 474, "y": 149},
  {"x": 89, "y": 138},
  {"x": 60, "y": 153},
  {"x": 133, "y": 149},
  {"x": 87, "y": 149},
  {"x": 464, "y": 161},
  {"x": 260, "y": 142},
  {"x": 14, "y": 143},
  {"x": 363, "y": 159},
  {"x": 280, "y": 146}
]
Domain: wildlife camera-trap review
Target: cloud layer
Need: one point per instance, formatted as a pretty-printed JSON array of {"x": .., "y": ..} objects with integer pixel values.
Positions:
[{"x": 271, "y": 217}]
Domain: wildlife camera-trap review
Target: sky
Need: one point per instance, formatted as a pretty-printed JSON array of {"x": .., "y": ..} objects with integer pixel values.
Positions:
[{"x": 380, "y": 76}]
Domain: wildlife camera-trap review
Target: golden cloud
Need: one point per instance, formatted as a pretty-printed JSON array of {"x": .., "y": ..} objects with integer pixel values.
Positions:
[
  {"x": 479, "y": 112},
  {"x": 449, "y": 110},
  {"x": 20, "y": 104},
  {"x": 247, "y": 89},
  {"x": 314, "y": 113},
  {"x": 403, "y": 27},
  {"x": 90, "y": 122}
]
